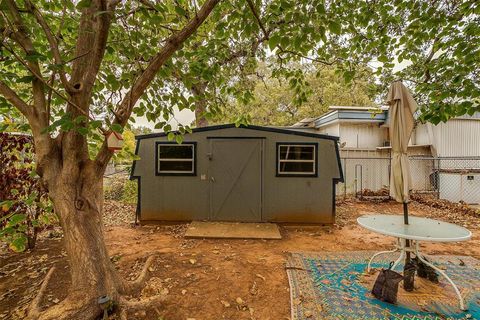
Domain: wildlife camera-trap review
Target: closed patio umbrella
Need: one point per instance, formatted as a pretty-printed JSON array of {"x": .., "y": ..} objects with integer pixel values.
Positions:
[{"x": 402, "y": 107}]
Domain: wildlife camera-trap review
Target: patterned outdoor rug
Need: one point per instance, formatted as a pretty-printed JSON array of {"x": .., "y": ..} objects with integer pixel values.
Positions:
[{"x": 336, "y": 286}]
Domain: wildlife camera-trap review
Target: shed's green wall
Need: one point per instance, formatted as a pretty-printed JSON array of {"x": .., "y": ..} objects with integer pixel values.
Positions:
[{"x": 285, "y": 199}]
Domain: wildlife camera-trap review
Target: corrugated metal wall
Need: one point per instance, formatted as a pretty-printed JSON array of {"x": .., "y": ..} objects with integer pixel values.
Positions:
[{"x": 457, "y": 138}]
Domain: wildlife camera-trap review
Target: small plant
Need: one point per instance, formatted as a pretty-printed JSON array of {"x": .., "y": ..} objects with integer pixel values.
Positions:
[
  {"x": 24, "y": 204},
  {"x": 130, "y": 192}
]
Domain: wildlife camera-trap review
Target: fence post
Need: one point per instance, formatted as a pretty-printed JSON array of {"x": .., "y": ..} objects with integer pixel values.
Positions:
[
  {"x": 438, "y": 177},
  {"x": 345, "y": 178}
]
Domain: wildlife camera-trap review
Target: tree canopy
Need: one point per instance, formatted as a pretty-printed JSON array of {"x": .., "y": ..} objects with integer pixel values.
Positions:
[
  {"x": 276, "y": 102},
  {"x": 75, "y": 70},
  {"x": 438, "y": 43}
]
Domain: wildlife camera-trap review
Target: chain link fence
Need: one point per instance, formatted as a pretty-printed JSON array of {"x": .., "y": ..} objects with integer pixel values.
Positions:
[{"x": 456, "y": 179}]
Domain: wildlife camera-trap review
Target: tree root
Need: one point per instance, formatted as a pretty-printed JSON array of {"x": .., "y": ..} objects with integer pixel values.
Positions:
[
  {"x": 131, "y": 287},
  {"x": 135, "y": 305},
  {"x": 34, "y": 308},
  {"x": 77, "y": 307}
]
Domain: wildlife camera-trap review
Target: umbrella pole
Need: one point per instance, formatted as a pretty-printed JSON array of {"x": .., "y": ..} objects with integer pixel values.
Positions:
[
  {"x": 405, "y": 220},
  {"x": 408, "y": 269}
]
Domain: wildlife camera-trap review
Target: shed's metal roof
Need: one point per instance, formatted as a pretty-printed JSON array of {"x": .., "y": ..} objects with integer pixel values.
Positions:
[{"x": 284, "y": 130}]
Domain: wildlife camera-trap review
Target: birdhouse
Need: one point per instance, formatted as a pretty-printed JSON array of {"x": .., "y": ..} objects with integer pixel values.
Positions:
[{"x": 114, "y": 141}]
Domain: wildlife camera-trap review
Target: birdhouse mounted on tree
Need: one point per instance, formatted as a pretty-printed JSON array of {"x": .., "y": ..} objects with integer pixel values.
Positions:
[{"x": 114, "y": 141}]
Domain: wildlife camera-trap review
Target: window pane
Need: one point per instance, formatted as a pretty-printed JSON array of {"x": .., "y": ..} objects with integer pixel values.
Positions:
[
  {"x": 168, "y": 166},
  {"x": 297, "y": 152},
  {"x": 296, "y": 167},
  {"x": 176, "y": 152}
]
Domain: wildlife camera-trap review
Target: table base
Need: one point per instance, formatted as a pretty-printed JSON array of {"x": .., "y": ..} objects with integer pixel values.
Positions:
[{"x": 401, "y": 246}]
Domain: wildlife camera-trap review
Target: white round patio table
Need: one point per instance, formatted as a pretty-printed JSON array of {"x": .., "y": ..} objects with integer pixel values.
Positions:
[{"x": 419, "y": 229}]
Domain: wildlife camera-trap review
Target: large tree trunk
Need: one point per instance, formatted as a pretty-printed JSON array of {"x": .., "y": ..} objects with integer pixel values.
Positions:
[{"x": 77, "y": 195}]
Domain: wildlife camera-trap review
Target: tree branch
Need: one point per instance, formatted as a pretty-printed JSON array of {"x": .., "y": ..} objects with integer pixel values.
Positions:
[
  {"x": 53, "y": 46},
  {"x": 100, "y": 43},
  {"x": 39, "y": 77},
  {"x": 90, "y": 46},
  {"x": 257, "y": 17},
  {"x": 21, "y": 36},
  {"x": 14, "y": 99},
  {"x": 173, "y": 43},
  {"x": 328, "y": 63}
]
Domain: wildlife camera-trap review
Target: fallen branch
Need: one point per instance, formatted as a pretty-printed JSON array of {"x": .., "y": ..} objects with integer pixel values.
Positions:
[{"x": 34, "y": 309}]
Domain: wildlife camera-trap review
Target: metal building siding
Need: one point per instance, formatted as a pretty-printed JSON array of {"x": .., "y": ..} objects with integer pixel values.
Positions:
[
  {"x": 457, "y": 138},
  {"x": 420, "y": 135},
  {"x": 331, "y": 129},
  {"x": 284, "y": 199},
  {"x": 362, "y": 135}
]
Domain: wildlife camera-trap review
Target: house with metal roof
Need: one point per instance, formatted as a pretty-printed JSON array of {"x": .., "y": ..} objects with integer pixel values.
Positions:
[
  {"x": 445, "y": 157},
  {"x": 247, "y": 173},
  {"x": 363, "y": 131}
]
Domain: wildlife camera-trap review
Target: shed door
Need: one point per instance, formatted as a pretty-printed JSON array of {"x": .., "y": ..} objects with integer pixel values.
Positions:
[{"x": 236, "y": 180}]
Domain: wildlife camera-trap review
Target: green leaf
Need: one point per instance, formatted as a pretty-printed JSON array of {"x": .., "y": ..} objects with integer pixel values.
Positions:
[
  {"x": 321, "y": 8},
  {"x": 383, "y": 58},
  {"x": 348, "y": 76},
  {"x": 34, "y": 57},
  {"x": 19, "y": 244},
  {"x": 82, "y": 130},
  {"x": 274, "y": 41},
  {"x": 335, "y": 27},
  {"x": 16, "y": 219},
  {"x": 117, "y": 128},
  {"x": 171, "y": 136},
  {"x": 80, "y": 119},
  {"x": 180, "y": 11},
  {"x": 82, "y": 4},
  {"x": 179, "y": 138},
  {"x": 25, "y": 79}
]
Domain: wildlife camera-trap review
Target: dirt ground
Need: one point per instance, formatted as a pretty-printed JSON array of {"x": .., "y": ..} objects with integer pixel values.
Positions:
[{"x": 211, "y": 279}]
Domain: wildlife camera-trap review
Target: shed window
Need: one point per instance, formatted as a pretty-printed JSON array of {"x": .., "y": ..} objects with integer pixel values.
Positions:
[
  {"x": 178, "y": 159},
  {"x": 296, "y": 159}
]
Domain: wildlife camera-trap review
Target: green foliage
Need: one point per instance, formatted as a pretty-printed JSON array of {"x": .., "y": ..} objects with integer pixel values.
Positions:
[
  {"x": 436, "y": 42},
  {"x": 130, "y": 192},
  {"x": 127, "y": 154},
  {"x": 119, "y": 188},
  {"x": 24, "y": 204},
  {"x": 303, "y": 94}
]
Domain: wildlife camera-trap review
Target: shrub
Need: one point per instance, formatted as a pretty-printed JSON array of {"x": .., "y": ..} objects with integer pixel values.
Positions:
[
  {"x": 24, "y": 204},
  {"x": 119, "y": 188},
  {"x": 130, "y": 192}
]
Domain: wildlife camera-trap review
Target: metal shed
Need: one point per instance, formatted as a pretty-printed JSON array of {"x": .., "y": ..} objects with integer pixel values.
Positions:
[{"x": 228, "y": 173}]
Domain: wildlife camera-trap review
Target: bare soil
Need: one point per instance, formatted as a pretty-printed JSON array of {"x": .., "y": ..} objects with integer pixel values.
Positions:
[{"x": 211, "y": 279}]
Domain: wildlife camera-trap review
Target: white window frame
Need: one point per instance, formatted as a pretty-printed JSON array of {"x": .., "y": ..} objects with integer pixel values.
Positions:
[
  {"x": 159, "y": 145},
  {"x": 296, "y": 173}
]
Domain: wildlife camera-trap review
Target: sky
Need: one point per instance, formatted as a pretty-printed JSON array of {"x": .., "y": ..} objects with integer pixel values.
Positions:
[{"x": 184, "y": 117}]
